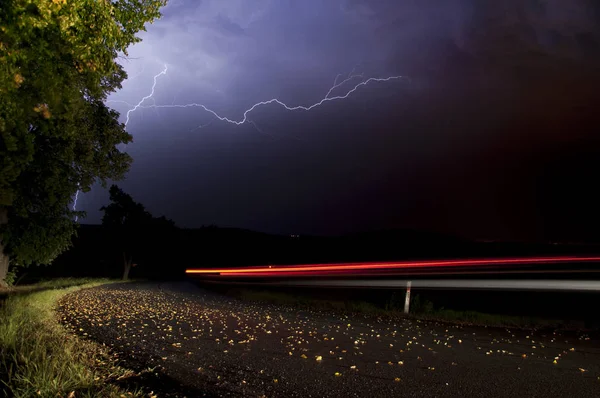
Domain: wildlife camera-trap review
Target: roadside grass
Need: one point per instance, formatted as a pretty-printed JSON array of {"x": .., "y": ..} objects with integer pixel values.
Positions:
[
  {"x": 38, "y": 357},
  {"x": 306, "y": 302},
  {"x": 484, "y": 319},
  {"x": 425, "y": 309},
  {"x": 59, "y": 283},
  {"x": 394, "y": 308}
]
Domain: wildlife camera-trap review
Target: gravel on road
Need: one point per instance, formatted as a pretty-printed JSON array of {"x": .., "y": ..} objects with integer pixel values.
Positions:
[{"x": 215, "y": 345}]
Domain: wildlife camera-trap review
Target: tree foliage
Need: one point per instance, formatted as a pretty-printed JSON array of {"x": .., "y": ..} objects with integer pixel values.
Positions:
[
  {"x": 134, "y": 231},
  {"x": 123, "y": 212},
  {"x": 58, "y": 63}
]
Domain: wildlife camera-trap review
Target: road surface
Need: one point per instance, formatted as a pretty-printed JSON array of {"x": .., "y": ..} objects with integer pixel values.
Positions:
[{"x": 218, "y": 346}]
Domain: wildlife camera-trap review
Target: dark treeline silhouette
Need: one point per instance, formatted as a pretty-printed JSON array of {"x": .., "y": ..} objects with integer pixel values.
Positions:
[
  {"x": 132, "y": 230},
  {"x": 162, "y": 251}
]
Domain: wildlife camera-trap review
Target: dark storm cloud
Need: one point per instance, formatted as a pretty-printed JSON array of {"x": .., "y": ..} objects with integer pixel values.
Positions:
[
  {"x": 227, "y": 25},
  {"x": 499, "y": 90}
]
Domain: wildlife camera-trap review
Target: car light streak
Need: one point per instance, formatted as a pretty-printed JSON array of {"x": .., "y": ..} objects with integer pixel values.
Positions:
[
  {"x": 486, "y": 284},
  {"x": 313, "y": 269},
  {"x": 410, "y": 272}
]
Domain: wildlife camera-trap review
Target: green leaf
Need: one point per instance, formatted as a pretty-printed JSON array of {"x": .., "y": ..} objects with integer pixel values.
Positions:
[{"x": 57, "y": 66}]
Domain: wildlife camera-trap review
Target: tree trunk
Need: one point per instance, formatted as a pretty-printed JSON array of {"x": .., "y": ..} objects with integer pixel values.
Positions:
[
  {"x": 4, "y": 260},
  {"x": 127, "y": 266}
]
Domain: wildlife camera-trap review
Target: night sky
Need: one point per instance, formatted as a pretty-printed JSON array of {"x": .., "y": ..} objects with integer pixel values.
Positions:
[{"x": 493, "y": 135}]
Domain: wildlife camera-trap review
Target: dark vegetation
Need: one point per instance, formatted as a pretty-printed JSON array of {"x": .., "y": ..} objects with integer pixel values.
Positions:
[
  {"x": 57, "y": 136},
  {"x": 133, "y": 243},
  {"x": 516, "y": 309},
  {"x": 38, "y": 357},
  {"x": 132, "y": 230},
  {"x": 164, "y": 251}
]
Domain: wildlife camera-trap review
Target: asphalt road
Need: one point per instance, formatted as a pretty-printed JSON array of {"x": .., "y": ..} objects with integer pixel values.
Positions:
[{"x": 218, "y": 346}]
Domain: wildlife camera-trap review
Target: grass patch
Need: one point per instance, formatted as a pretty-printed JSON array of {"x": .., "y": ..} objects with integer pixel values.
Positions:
[
  {"x": 483, "y": 319},
  {"x": 271, "y": 297},
  {"x": 425, "y": 309},
  {"x": 38, "y": 357},
  {"x": 59, "y": 283},
  {"x": 394, "y": 307}
]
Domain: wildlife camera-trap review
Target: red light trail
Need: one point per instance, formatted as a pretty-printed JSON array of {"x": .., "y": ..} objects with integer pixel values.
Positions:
[{"x": 357, "y": 268}]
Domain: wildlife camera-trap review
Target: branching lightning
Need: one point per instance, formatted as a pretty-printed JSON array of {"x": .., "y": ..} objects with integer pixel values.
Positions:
[
  {"x": 133, "y": 108},
  {"x": 164, "y": 72},
  {"x": 336, "y": 84},
  {"x": 245, "y": 119},
  {"x": 260, "y": 130}
]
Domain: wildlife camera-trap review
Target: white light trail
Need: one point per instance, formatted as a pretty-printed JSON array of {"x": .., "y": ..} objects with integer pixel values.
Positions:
[{"x": 483, "y": 284}]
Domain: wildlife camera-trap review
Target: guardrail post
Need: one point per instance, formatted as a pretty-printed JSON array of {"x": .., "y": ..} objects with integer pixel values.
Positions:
[{"x": 407, "y": 299}]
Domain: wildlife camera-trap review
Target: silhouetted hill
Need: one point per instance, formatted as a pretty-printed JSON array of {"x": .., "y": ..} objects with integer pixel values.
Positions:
[{"x": 168, "y": 257}]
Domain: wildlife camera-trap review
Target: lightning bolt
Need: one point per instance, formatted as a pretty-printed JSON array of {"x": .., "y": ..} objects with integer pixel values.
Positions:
[
  {"x": 139, "y": 104},
  {"x": 336, "y": 84},
  {"x": 201, "y": 126},
  {"x": 132, "y": 109},
  {"x": 261, "y": 130},
  {"x": 75, "y": 203},
  {"x": 244, "y": 119}
]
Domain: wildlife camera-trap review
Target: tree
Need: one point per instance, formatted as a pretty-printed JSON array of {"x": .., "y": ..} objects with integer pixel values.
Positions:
[
  {"x": 132, "y": 228},
  {"x": 57, "y": 66}
]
